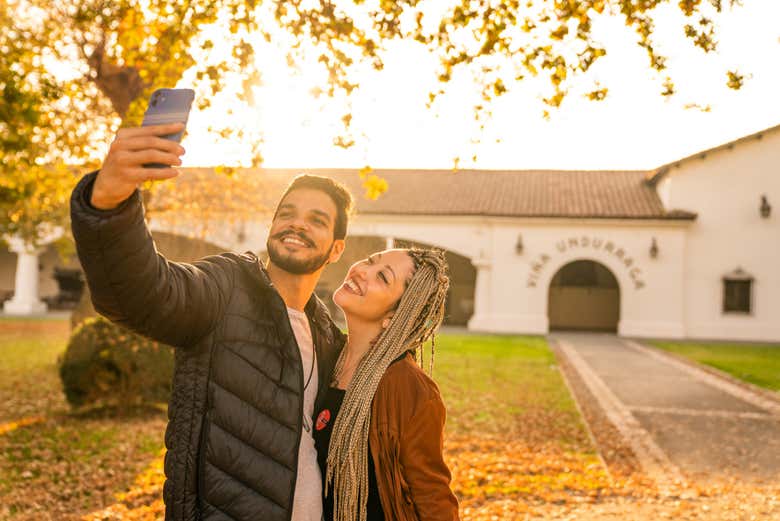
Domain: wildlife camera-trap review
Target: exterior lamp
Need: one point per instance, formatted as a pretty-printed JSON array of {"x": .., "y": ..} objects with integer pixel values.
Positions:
[
  {"x": 519, "y": 244},
  {"x": 766, "y": 208},
  {"x": 654, "y": 248}
]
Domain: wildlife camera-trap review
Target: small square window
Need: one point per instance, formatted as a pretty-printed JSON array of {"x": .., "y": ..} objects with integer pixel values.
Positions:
[{"x": 737, "y": 296}]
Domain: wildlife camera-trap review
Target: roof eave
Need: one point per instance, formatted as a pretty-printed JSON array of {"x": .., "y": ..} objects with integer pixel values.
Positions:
[{"x": 654, "y": 176}]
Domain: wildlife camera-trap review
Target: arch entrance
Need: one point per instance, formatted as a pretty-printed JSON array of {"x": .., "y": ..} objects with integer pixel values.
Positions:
[{"x": 584, "y": 295}]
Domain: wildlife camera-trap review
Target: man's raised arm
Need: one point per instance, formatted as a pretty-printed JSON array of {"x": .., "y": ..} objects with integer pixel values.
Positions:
[{"x": 130, "y": 282}]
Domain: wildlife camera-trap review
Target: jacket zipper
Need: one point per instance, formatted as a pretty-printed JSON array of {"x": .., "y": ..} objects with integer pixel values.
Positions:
[
  {"x": 204, "y": 438},
  {"x": 299, "y": 422}
]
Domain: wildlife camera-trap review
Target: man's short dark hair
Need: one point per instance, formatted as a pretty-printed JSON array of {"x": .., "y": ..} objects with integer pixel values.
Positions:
[{"x": 337, "y": 192}]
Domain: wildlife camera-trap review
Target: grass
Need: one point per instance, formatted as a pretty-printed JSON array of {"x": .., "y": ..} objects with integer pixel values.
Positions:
[
  {"x": 514, "y": 437},
  {"x": 756, "y": 364},
  {"x": 505, "y": 384},
  {"x": 29, "y": 383},
  {"x": 31, "y": 344}
]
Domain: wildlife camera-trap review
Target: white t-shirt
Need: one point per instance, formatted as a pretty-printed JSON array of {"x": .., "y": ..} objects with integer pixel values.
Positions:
[{"x": 307, "y": 503}]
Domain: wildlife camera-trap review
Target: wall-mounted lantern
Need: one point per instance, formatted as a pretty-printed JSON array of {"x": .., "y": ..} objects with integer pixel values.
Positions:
[
  {"x": 766, "y": 208},
  {"x": 654, "y": 248},
  {"x": 519, "y": 244}
]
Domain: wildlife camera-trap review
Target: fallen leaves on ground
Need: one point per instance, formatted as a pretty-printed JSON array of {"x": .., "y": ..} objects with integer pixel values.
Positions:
[
  {"x": 64, "y": 466},
  {"x": 142, "y": 502},
  {"x": 22, "y": 422},
  {"x": 514, "y": 451},
  {"x": 500, "y": 480},
  {"x": 490, "y": 477},
  {"x": 496, "y": 479},
  {"x": 490, "y": 469}
]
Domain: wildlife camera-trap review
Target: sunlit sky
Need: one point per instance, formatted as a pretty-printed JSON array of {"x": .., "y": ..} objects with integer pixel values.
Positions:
[{"x": 635, "y": 128}]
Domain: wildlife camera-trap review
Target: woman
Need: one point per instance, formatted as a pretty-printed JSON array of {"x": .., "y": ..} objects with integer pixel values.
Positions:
[{"x": 379, "y": 432}]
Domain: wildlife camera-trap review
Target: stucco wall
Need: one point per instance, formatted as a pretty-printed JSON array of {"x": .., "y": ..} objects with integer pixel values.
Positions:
[
  {"x": 650, "y": 288},
  {"x": 512, "y": 289},
  {"x": 724, "y": 188}
]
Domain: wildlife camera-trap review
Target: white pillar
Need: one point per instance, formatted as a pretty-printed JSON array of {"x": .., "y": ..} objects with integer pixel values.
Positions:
[
  {"x": 25, "y": 300},
  {"x": 480, "y": 320},
  {"x": 389, "y": 243}
]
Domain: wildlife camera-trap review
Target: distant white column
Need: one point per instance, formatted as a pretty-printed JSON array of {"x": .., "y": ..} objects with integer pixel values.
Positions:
[
  {"x": 25, "y": 300},
  {"x": 480, "y": 320},
  {"x": 389, "y": 243}
]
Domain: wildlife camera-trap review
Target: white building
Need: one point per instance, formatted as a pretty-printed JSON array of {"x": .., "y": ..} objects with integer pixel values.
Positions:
[{"x": 689, "y": 250}]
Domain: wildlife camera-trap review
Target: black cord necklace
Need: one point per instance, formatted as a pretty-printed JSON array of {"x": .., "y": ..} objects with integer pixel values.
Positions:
[
  {"x": 311, "y": 370},
  {"x": 306, "y": 425}
]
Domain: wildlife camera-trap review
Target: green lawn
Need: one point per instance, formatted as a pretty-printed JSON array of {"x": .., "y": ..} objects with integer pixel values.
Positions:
[
  {"x": 757, "y": 364},
  {"x": 29, "y": 383},
  {"x": 505, "y": 385}
]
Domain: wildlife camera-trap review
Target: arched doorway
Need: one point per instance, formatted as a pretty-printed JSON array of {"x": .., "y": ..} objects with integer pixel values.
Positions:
[{"x": 584, "y": 295}]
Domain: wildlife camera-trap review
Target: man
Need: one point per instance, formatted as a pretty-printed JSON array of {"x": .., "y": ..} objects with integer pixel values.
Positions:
[{"x": 254, "y": 346}]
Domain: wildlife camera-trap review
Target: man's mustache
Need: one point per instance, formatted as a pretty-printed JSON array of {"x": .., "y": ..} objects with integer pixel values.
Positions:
[{"x": 300, "y": 235}]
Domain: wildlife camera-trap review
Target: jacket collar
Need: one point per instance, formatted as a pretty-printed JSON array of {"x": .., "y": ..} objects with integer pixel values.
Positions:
[{"x": 316, "y": 311}]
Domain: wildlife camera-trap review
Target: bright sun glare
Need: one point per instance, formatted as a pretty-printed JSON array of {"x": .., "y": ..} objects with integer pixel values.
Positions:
[{"x": 635, "y": 128}]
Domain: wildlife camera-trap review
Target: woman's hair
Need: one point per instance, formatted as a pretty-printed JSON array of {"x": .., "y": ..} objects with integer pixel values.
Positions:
[{"x": 419, "y": 313}]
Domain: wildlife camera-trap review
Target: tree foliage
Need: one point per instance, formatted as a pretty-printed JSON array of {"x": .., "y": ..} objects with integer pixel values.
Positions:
[
  {"x": 502, "y": 42},
  {"x": 117, "y": 53},
  {"x": 33, "y": 145},
  {"x": 73, "y": 70},
  {"x": 128, "y": 48}
]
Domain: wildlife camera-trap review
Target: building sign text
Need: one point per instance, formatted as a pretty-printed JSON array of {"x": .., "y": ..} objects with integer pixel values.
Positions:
[{"x": 583, "y": 243}]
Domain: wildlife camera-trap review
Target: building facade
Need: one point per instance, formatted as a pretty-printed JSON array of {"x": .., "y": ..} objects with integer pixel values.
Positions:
[{"x": 688, "y": 250}]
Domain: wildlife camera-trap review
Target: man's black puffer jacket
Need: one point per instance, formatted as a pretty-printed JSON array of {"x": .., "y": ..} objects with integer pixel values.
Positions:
[{"x": 235, "y": 412}]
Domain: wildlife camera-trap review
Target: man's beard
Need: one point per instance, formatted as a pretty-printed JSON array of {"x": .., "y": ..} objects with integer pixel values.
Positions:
[{"x": 293, "y": 265}]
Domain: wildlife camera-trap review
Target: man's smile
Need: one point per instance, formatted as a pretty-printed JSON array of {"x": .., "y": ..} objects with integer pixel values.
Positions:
[
  {"x": 289, "y": 238},
  {"x": 293, "y": 240}
]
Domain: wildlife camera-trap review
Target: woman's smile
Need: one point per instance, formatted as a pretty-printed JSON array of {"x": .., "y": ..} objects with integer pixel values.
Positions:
[{"x": 353, "y": 287}]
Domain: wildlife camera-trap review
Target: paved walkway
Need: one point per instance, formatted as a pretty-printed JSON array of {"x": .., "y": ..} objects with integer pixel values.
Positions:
[{"x": 678, "y": 419}]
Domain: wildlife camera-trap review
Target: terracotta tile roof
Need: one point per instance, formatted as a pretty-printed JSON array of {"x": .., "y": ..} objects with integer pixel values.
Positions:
[{"x": 525, "y": 193}]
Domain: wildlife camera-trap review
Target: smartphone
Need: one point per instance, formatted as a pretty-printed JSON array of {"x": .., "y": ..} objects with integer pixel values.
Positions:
[{"x": 168, "y": 106}]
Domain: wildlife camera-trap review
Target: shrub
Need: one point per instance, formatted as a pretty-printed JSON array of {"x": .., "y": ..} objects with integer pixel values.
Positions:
[{"x": 105, "y": 364}]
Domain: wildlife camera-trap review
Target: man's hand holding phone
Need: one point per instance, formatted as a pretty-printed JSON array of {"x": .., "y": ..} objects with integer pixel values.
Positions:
[
  {"x": 123, "y": 169},
  {"x": 147, "y": 152}
]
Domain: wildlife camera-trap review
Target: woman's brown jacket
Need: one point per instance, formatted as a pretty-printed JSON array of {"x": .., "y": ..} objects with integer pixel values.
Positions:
[{"x": 406, "y": 437}]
